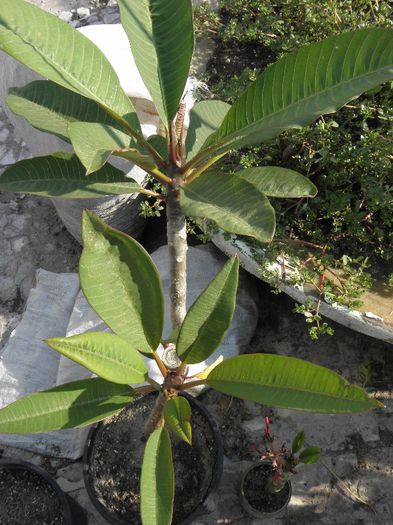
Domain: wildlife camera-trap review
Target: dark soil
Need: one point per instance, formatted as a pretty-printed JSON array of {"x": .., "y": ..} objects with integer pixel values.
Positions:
[
  {"x": 254, "y": 489},
  {"x": 27, "y": 499},
  {"x": 116, "y": 459},
  {"x": 232, "y": 56}
]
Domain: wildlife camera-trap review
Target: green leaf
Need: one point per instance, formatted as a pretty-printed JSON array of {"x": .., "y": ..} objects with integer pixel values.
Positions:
[
  {"x": 50, "y": 107},
  {"x": 94, "y": 143},
  {"x": 121, "y": 283},
  {"x": 288, "y": 382},
  {"x": 58, "y": 52},
  {"x": 161, "y": 36},
  {"x": 61, "y": 175},
  {"x": 310, "y": 455},
  {"x": 298, "y": 441},
  {"x": 177, "y": 415},
  {"x": 157, "y": 480},
  {"x": 316, "y": 79},
  {"x": 279, "y": 182},
  {"x": 107, "y": 355},
  {"x": 160, "y": 144},
  {"x": 233, "y": 203},
  {"x": 210, "y": 316},
  {"x": 205, "y": 118},
  {"x": 71, "y": 405}
]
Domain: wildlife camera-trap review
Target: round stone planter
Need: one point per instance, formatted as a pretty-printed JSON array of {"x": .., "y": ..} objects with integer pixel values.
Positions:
[
  {"x": 113, "y": 460},
  {"x": 374, "y": 319},
  {"x": 120, "y": 211},
  {"x": 255, "y": 499},
  {"x": 30, "y": 495}
]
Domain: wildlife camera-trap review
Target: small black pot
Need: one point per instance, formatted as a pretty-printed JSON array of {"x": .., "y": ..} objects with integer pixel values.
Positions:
[
  {"x": 255, "y": 500},
  {"x": 70, "y": 511},
  {"x": 141, "y": 405}
]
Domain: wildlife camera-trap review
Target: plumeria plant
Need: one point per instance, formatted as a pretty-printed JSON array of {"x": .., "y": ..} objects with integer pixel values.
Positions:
[
  {"x": 283, "y": 459},
  {"x": 82, "y": 102}
]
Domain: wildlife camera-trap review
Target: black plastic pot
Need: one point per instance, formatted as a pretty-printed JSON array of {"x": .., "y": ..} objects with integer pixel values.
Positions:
[
  {"x": 97, "y": 436},
  {"x": 71, "y": 512},
  {"x": 258, "y": 502}
]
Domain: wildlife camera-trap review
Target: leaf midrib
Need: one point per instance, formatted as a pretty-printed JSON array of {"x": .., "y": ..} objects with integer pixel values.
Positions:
[
  {"x": 105, "y": 358},
  {"x": 61, "y": 67},
  {"x": 64, "y": 407},
  {"x": 287, "y": 108},
  {"x": 292, "y": 389},
  {"x": 124, "y": 286},
  {"x": 87, "y": 183},
  {"x": 201, "y": 332},
  {"x": 154, "y": 40}
]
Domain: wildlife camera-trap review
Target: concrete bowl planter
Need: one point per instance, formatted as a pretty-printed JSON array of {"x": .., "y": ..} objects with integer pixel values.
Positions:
[
  {"x": 119, "y": 211},
  {"x": 113, "y": 458},
  {"x": 255, "y": 499},
  {"x": 374, "y": 318},
  {"x": 30, "y": 495}
]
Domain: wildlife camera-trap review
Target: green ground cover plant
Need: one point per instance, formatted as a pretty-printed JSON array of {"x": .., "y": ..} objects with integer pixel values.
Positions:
[
  {"x": 83, "y": 102},
  {"x": 348, "y": 156}
]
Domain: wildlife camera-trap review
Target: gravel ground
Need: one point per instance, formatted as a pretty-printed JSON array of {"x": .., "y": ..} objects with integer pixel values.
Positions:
[{"x": 358, "y": 448}]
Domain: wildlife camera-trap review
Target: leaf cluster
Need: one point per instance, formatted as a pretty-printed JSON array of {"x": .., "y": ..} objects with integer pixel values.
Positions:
[{"x": 348, "y": 156}]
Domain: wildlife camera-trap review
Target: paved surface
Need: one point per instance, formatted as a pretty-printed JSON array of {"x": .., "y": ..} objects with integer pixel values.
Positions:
[{"x": 358, "y": 448}]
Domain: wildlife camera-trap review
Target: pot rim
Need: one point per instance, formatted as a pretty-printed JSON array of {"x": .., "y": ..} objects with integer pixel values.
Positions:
[
  {"x": 21, "y": 464},
  {"x": 217, "y": 468},
  {"x": 252, "y": 511}
]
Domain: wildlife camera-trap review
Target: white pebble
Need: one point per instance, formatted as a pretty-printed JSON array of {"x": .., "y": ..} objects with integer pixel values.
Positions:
[
  {"x": 66, "y": 16},
  {"x": 83, "y": 11}
]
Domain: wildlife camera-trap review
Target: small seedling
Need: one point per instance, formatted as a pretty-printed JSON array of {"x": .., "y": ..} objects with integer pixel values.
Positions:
[{"x": 284, "y": 460}]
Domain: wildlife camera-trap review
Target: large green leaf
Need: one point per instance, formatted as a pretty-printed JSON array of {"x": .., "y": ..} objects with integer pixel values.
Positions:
[
  {"x": 157, "y": 480},
  {"x": 61, "y": 175},
  {"x": 177, "y": 415},
  {"x": 279, "y": 182},
  {"x": 59, "y": 53},
  {"x": 122, "y": 284},
  {"x": 71, "y": 405},
  {"x": 161, "y": 36},
  {"x": 205, "y": 118},
  {"x": 230, "y": 201},
  {"x": 107, "y": 355},
  {"x": 288, "y": 382},
  {"x": 210, "y": 316},
  {"x": 94, "y": 143},
  {"x": 303, "y": 85},
  {"x": 50, "y": 107}
]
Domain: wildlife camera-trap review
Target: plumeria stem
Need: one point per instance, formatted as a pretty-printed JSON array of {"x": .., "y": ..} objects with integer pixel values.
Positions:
[
  {"x": 177, "y": 245},
  {"x": 155, "y": 418},
  {"x": 192, "y": 175},
  {"x": 191, "y": 384},
  {"x": 160, "y": 364},
  {"x": 146, "y": 389},
  {"x": 154, "y": 194}
]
